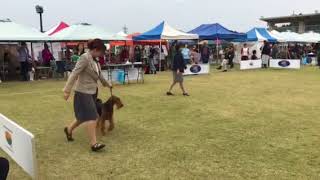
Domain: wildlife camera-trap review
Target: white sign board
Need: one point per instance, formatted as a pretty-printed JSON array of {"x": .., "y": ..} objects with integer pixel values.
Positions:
[
  {"x": 56, "y": 49},
  {"x": 285, "y": 63},
  {"x": 19, "y": 144},
  {"x": 251, "y": 64},
  {"x": 194, "y": 69}
]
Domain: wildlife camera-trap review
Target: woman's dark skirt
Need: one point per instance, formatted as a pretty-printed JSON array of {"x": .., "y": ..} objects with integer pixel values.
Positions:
[{"x": 85, "y": 107}]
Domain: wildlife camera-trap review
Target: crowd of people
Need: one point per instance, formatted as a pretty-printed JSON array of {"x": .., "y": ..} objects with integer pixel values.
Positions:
[{"x": 152, "y": 56}]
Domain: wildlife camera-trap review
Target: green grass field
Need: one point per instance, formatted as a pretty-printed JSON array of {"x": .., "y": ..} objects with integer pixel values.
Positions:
[{"x": 261, "y": 124}]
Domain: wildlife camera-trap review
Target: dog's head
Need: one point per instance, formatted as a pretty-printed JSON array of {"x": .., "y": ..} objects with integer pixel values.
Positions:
[{"x": 116, "y": 101}]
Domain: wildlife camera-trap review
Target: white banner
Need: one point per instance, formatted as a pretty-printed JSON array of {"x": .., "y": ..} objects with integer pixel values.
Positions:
[
  {"x": 19, "y": 144},
  {"x": 251, "y": 64},
  {"x": 285, "y": 63},
  {"x": 56, "y": 49},
  {"x": 195, "y": 69}
]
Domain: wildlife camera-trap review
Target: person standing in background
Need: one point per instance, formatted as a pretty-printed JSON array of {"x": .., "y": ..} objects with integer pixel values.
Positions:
[
  {"x": 186, "y": 54},
  {"x": 205, "y": 53},
  {"x": 81, "y": 49},
  {"x": 317, "y": 47},
  {"x": 178, "y": 70},
  {"x": 4, "y": 168},
  {"x": 195, "y": 55},
  {"x": 152, "y": 59},
  {"x": 24, "y": 58},
  {"x": 230, "y": 57},
  {"x": 137, "y": 54},
  {"x": 172, "y": 53},
  {"x": 47, "y": 56},
  {"x": 274, "y": 51},
  {"x": 266, "y": 51},
  {"x": 245, "y": 52}
]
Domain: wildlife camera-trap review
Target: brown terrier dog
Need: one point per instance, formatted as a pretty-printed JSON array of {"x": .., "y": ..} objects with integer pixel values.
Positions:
[{"x": 105, "y": 111}]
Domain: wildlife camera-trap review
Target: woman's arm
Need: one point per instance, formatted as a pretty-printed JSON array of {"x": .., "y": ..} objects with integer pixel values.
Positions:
[
  {"x": 80, "y": 66},
  {"x": 104, "y": 82}
]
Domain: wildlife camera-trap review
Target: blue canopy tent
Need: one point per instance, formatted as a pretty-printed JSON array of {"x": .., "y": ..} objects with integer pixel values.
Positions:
[
  {"x": 166, "y": 32},
  {"x": 216, "y": 31},
  {"x": 260, "y": 34}
]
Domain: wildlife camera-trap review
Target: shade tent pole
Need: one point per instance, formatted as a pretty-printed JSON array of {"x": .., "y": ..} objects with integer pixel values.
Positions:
[
  {"x": 160, "y": 55},
  {"x": 217, "y": 47}
]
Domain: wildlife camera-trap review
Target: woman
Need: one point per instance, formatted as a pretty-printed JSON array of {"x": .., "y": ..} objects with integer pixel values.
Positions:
[
  {"x": 195, "y": 56},
  {"x": 137, "y": 54},
  {"x": 178, "y": 70},
  {"x": 81, "y": 49},
  {"x": 85, "y": 76},
  {"x": 186, "y": 54},
  {"x": 245, "y": 53},
  {"x": 152, "y": 59},
  {"x": 230, "y": 57},
  {"x": 47, "y": 56}
]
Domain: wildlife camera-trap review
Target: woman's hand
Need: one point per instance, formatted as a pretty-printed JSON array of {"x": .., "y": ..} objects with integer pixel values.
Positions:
[
  {"x": 110, "y": 85},
  {"x": 66, "y": 96}
]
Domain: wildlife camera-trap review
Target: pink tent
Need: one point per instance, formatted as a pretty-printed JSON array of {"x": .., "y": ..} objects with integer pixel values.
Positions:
[{"x": 57, "y": 28}]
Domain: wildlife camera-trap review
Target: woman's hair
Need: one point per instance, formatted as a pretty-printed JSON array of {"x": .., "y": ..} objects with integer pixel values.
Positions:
[{"x": 96, "y": 44}]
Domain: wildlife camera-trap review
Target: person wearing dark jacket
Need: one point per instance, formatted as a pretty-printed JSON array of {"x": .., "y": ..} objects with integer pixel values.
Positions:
[
  {"x": 230, "y": 57},
  {"x": 178, "y": 67},
  {"x": 266, "y": 51},
  {"x": 4, "y": 168}
]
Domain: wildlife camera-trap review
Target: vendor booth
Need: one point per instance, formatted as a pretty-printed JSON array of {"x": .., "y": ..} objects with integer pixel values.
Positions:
[
  {"x": 11, "y": 34},
  {"x": 124, "y": 72},
  {"x": 254, "y": 41},
  {"x": 218, "y": 34},
  {"x": 164, "y": 31}
]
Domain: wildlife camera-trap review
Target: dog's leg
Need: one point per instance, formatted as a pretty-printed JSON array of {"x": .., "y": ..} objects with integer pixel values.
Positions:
[
  {"x": 111, "y": 126},
  {"x": 103, "y": 127},
  {"x": 103, "y": 123}
]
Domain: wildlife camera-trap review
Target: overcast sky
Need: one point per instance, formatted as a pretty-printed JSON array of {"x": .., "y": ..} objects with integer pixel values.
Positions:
[{"x": 141, "y": 15}]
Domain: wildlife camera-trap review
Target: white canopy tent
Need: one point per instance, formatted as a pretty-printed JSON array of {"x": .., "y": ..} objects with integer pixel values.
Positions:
[
  {"x": 290, "y": 36},
  {"x": 311, "y": 37},
  {"x": 13, "y": 32},
  {"x": 165, "y": 32},
  {"x": 122, "y": 34},
  {"x": 278, "y": 36},
  {"x": 84, "y": 32}
]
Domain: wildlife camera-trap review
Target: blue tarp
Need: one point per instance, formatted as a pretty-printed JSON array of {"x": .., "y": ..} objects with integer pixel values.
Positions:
[
  {"x": 259, "y": 34},
  {"x": 216, "y": 31},
  {"x": 153, "y": 34}
]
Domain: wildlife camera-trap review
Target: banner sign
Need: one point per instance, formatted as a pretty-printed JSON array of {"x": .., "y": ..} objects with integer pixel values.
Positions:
[
  {"x": 19, "y": 144},
  {"x": 251, "y": 64},
  {"x": 194, "y": 69},
  {"x": 285, "y": 63}
]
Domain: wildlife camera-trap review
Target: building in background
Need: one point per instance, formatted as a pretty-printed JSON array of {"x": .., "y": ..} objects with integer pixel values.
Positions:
[{"x": 299, "y": 23}]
